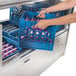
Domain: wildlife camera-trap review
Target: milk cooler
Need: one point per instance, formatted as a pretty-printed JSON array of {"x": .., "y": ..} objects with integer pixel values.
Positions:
[{"x": 26, "y": 51}]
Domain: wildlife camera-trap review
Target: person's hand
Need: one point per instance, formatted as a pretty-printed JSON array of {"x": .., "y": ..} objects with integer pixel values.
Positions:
[
  {"x": 42, "y": 24},
  {"x": 42, "y": 14}
]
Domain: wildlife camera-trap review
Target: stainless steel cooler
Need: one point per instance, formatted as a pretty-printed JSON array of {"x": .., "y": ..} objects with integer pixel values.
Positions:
[{"x": 32, "y": 62}]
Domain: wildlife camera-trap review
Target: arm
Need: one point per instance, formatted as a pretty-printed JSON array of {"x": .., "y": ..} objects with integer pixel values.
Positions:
[
  {"x": 61, "y": 6},
  {"x": 71, "y": 18},
  {"x": 42, "y": 24}
]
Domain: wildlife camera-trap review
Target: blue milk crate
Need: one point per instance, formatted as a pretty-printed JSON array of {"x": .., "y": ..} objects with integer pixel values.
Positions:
[
  {"x": 36, "y": 7},
  {"x": 36, "y": 38},
  {"x": 13, "y": 17},
  {"x": 11, "y": 37},
  {"x": 15, "y": 14}
]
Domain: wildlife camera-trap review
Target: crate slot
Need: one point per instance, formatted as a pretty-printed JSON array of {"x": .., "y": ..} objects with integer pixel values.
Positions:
[
  {"x": 8, "y": 50},
  {"x": 11, "y": 33}
]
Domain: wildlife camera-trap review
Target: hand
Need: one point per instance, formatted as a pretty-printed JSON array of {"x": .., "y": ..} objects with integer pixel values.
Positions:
[
  {"x": 42, "y": 14},
  {"x": 42, "y": 24}
]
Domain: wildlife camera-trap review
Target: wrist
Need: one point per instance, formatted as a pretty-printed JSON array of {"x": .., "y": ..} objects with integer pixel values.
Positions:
[{"x": 48, "y": 22}]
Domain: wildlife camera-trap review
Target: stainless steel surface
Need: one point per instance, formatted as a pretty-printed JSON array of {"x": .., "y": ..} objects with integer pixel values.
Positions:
[{"x": 0, "y": 45}]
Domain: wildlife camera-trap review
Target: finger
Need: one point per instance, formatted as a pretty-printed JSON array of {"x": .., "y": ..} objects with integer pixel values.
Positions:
[
  {"x": 38, "y": 15},
  {"x": 41, "y": 16},
  {"x": 36, "y": 26}
]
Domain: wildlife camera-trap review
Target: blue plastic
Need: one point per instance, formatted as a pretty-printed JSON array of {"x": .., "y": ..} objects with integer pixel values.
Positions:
[
  {"x": 11, "y": 37},
  {"x": 15, "y": 14},
  {"x": 30, "y": 41},
  {"x": 37, "y": 6},
  {"x": 13, "y": 17}
]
